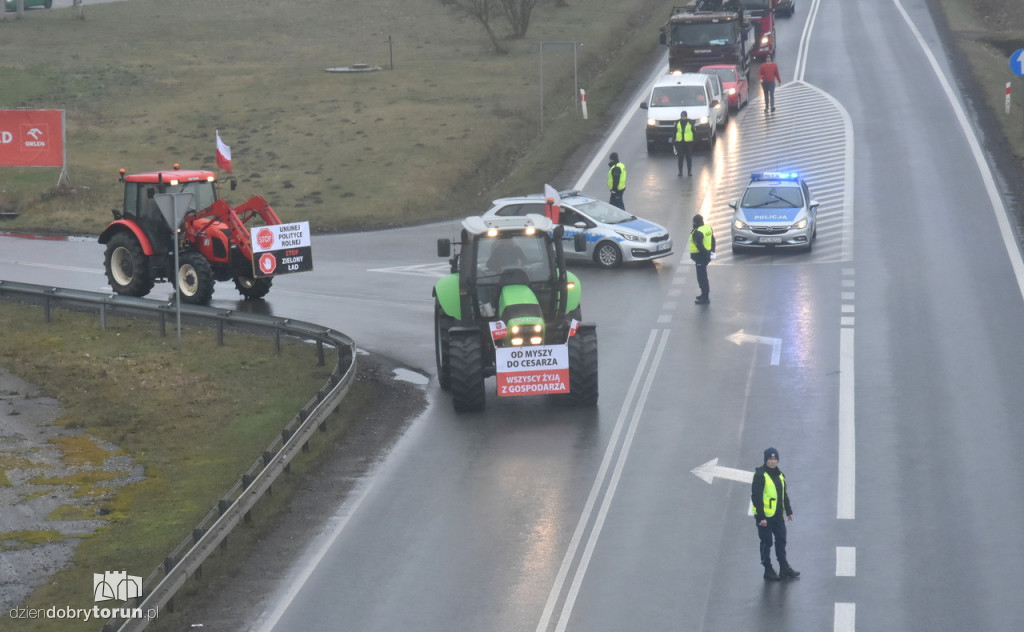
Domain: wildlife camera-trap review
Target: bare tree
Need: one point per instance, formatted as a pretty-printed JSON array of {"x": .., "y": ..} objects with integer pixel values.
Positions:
[
  {"x": 518, "y": 14},
  {"x": 480, "y": 10}
]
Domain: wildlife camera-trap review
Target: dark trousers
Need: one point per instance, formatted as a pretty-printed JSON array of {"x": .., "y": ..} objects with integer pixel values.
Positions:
[
  {"x": 768, "y": 87},
  {"x": 776, "y": 529},
  {"x": 702, "y": 278},
  {"x": 616, "y": 199},
  {"x": 684, "y": 151}
]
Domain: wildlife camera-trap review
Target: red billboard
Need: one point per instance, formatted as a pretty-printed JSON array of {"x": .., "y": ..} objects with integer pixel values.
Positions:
[{"x": 31, "y": 138}]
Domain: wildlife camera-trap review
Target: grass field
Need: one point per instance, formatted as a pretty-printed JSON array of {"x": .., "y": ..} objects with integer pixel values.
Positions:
[
  {"x": 195, "y": 419},
  {"x": 146, "y": 83}
]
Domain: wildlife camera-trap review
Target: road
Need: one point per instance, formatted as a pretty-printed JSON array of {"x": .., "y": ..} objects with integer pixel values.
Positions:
[{"x": 882, "y": 366}]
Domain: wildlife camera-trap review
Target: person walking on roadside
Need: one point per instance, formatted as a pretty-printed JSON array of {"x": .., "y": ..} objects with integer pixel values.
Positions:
[
  {"x": 684, "y": 143},
  {"x": 769, "y": 75},
  {"x": 770, "y": 498},
  {"x": 702, "y": 251},
  {"x": 616, "y": 181}
]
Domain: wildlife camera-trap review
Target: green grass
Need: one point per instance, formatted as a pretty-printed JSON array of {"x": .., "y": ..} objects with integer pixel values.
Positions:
[
  {"x": 195, "y": 418},
  {"x": 145, "y": 83},
  {"x": 986, "y": 32}
]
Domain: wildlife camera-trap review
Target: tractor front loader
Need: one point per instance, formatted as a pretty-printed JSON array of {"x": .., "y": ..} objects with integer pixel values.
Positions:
[{"x": 213, "y": 241}]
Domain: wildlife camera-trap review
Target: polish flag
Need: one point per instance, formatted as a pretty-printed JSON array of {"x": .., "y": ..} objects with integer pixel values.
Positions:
[{"x": 223, "y": 154}]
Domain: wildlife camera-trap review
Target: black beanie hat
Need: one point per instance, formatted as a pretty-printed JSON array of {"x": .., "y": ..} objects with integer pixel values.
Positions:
[{"x": 769, "y": 453}]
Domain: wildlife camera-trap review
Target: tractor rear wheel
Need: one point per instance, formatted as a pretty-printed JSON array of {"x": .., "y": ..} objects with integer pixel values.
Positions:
[
  {"x": 442, "y": 341},
  {"x": 466, "y": 368},
  {"x": 195, "y": 278},
  {"x": 583, "y": 368},
  {"x": 127, "y": 267},
  {"x": 252, "y": 288}
]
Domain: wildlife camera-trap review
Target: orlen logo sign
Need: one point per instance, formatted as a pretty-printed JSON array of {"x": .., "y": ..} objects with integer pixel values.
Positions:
[
  {"x": 31, "y": 138},
  {"x": 34, "y": 137}
]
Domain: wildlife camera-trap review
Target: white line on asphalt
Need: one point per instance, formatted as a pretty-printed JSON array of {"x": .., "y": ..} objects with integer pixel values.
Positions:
[
  {"x": 1002, "y": 219},
  {"x": 599, "y": 482},
  {"x": 845, "y": 617},
  {"x": 846, "y": 504},
  {"x": 846, "y": 561}
]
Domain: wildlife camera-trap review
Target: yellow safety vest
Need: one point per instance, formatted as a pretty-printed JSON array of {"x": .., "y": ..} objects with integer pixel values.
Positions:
[
  {"x": 771, "y": 495},
  {"x": 622, "y": 177},
  {"x": 684, "y": 135},
  {"x": 706, "y": 231}
]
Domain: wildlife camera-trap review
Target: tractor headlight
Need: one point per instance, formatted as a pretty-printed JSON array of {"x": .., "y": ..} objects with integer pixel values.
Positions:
[
  {"x": 516, "y": 342},
  {"x": 515, "y": 329},
  {"x": 536, "y": 340},
  {"x": 764, "y": 40}
]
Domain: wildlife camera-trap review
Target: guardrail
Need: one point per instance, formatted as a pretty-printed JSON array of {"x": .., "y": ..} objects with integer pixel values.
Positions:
[{"x": 186, "y": 560}]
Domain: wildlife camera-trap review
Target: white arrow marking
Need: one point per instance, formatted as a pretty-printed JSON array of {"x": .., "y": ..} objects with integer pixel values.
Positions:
[
  {"x": 741, "y": 336},
  {"x": 712, "y": 469},
  {"x": 437, "y": 270}
]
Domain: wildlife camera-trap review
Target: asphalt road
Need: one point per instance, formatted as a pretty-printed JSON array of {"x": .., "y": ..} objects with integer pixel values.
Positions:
[{"x": 883, "y": 366}]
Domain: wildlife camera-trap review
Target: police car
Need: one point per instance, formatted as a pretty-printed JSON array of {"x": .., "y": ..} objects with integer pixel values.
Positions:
[
  {"x": 776, "y": 211},
  {"x": 613, "y": 236}
]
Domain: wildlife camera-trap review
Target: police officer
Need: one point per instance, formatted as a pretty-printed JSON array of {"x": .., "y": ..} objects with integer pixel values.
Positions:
[
  {"x": 702, "y": 251},
  {"x": 616, "y": 181},
  {"x": 684, "y": 143},
  {"x": 770, "y": 498}
]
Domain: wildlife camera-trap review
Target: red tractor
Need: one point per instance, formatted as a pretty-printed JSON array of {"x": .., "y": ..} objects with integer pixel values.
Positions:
[{"x": 213, "y": 243}]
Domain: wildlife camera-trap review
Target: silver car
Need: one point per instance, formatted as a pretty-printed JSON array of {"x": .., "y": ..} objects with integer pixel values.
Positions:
[
  {"x": 776, "y": 211},
  {"x": 613, "y": 236}
]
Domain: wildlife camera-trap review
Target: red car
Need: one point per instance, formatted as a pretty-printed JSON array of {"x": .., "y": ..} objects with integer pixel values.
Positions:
[{"x": 734, "y": 83}]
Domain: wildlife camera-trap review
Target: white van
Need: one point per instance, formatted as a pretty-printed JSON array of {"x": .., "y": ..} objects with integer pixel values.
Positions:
[{"x": 691, "y": 92}]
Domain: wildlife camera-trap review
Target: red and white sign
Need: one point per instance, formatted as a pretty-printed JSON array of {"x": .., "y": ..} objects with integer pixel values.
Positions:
[
  {"x": 498, "y": 330},
  {"x": 268, "y": 263},
  {"x": 281, "y": 249},
  {"x": 31, "y": 138},
  {"x": 265, "y": 239},
  {"x": 540, "y": 370}
]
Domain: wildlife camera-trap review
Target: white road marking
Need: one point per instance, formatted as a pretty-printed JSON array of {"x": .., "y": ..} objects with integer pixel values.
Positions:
[
  {"x": 645, "y": 372},
  {"x": 846, "y": 561}
]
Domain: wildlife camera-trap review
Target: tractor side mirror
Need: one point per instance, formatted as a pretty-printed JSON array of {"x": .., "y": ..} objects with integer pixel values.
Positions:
[
  {"x": 234, "y": 183},
  {"x": 661, "y": 38},
  {"x": 579, "y": 242},
  {"x": 444, "y": 247}
]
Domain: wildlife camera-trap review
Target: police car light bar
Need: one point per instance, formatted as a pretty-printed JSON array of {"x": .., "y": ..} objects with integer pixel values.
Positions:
[{"x": 775, "y": 175}]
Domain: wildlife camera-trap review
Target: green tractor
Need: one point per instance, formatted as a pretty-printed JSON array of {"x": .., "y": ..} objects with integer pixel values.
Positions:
[{"x": 510, "y": 309}]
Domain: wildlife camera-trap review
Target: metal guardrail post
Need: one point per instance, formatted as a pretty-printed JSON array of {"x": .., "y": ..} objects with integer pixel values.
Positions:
[{"x": 211, "y": 534}]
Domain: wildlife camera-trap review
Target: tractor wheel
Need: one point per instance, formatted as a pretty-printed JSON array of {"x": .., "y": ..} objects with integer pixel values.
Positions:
[
  {"x": 195, "y": 278},
  {"x": 466, "y": 370},
  {"x": 583, "y": 368},
  {"x": 252, "y": 288},
  {"x": 442, "y": 340},
  {"x": 126, "y": 266}
]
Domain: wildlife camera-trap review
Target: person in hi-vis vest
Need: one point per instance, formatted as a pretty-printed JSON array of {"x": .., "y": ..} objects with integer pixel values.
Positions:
[
  {"x": 616, "y": 181},
  {"x": 770, "y": 498},
  {"x": 683, "y": 143}
]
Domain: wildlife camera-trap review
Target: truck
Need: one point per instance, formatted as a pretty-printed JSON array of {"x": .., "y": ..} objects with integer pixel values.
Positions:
[
  {"x": 213, "y": 239},
  {"x": 761, "y": 15},
  {"x": 509, "y": 308},
  {"x": 707, "y": 33}
]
